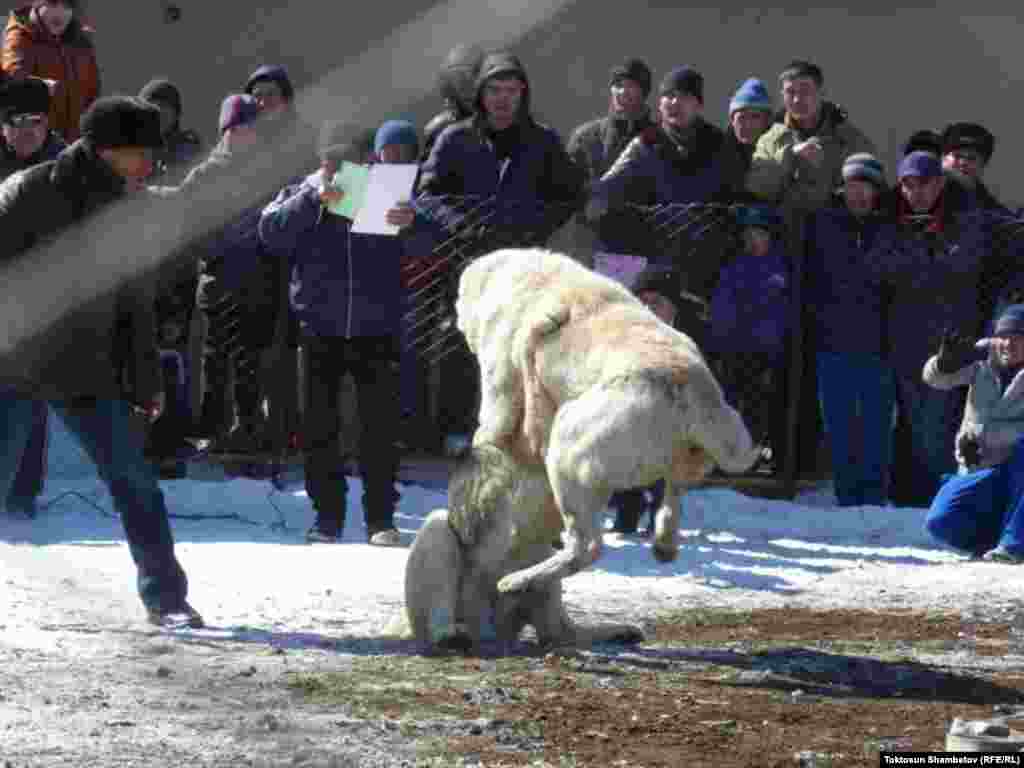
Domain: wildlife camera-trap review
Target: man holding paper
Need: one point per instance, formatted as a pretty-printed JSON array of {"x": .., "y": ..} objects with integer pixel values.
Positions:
[{"x": 345, "y": 243}]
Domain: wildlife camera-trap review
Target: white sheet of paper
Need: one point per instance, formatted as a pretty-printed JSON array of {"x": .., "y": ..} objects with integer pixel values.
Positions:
[{"x": 388, "y": 185}]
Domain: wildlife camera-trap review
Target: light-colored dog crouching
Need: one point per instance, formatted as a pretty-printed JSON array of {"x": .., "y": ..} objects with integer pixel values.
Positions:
[
  {"x": 501, "y": 518},
  {"x": 579, "y": 377}
]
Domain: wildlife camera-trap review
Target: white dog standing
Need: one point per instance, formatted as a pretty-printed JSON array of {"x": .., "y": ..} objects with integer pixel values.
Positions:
[{"x": 579, "y": 376}]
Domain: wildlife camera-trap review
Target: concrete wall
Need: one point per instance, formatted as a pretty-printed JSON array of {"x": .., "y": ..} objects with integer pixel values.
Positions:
[{"x": 894, "y": 69}]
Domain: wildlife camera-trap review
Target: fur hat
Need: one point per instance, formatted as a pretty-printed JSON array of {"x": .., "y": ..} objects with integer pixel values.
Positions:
[
  {"x": 24, "y": 96},
  {"x": 396, "y": 132},
  {"x": 1010, "y": 322},
  {"x": 685, "y": 80},
  {"x": 238, "y": 109},
  {"x": 752, "y": 94},
  {"x": 865, "y": 167},
  {"x": 919, "y": 163},
  {"x": 121, "y": 121},
  {"x": 275, "y": 73},
  {"x": 635, "y": 70},
  {"x": 968, "y": 136},
  {"x": 802, "y": 68}
]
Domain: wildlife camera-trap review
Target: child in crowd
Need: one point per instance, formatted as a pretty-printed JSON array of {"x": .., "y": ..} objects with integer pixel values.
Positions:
[
  {"x": 659, "y": 288},
  {"x": 750, "y": 323}
]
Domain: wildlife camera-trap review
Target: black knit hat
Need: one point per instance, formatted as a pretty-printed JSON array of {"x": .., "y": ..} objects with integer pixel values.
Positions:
[
  {"x": 801, "y": 68},
  {"x": 162, "y": 91},
  {"x": 121, "y": 121},
  {"x": 685, "y": 80},
  {"x": 635, "y": 70},
  {"x": 968, "y": 136},
  {"x": 24, "y": 96},
  {"x": 660, "y": 280},
  {"x": 925, "y": 140}
]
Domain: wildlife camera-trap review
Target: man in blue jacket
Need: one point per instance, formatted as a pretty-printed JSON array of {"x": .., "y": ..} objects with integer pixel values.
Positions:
[
  {"x": 495, "y": 179},
  {"x": 346, "y": 292}
]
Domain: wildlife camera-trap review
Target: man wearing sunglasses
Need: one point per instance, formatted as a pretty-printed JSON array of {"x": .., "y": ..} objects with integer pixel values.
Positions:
[{"x": 27, "y": 138}]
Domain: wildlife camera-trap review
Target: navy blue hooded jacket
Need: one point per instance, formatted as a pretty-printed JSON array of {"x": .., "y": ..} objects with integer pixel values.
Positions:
[{"x": 342, "y": 284}]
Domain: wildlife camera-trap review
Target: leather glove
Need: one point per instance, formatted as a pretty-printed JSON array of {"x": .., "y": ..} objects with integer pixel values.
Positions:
[
  {"x": 969, "y": 446},
  {"x": 956, "y": 351}
]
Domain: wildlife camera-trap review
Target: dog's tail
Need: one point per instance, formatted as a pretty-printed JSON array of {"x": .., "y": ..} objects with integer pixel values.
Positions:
[{"x": 719, "y": 428}]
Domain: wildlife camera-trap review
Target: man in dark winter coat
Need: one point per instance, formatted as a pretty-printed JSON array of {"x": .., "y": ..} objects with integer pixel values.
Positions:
[
  {"x": 457, "y": 82},
  {"x": 940, "y": 271},
  {"x": 181, "y": 146},
  {"x": 597, "y": 144},
  {"x": 239, "y": 283},
  {"x": 347, "y": 294},
  {"x": 966, "y": 152},
  {"x": 683, "y": 160},
  {"x": 77, "y": 363}
]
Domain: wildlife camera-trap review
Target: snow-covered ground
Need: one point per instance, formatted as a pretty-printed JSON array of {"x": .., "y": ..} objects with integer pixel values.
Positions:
[{"x": 250, "y": 567}]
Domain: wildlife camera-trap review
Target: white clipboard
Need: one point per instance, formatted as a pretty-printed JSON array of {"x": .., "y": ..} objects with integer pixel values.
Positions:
[{"x": 388, "y": 185}]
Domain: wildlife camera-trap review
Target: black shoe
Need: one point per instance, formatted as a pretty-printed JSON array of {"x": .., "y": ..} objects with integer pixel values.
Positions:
[
  {"x": 182, "y": 617},
  {"x": 322, "y": 533}
]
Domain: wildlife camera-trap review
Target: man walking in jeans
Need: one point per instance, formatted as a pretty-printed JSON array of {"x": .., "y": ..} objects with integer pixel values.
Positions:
[{"x": 81, "y": 362}]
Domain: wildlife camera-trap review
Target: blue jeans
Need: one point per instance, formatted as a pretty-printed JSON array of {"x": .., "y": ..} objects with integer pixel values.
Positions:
[
  {"x": 105, "y": 431},
  {"x": 982, "y": 509},
  {"x": 848, "y": 383}
]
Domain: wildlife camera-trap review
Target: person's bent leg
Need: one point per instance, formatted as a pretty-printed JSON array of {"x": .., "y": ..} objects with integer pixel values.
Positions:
[
  {"x": 115, "y": 444},
  {"x": 967, "y": 511},
  {"x": 1011, "y": 535}
]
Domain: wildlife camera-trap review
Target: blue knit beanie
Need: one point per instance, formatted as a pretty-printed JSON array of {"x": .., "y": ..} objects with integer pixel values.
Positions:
[
  {"x": 751, "y": 95},
  {"x": 761, "y": 216},
  {"x": 864, "y": 166},
  {"x": 1011, "y": 321},
  {"x": 400, "y": 132},
  {"x": 919, "y": 163}
]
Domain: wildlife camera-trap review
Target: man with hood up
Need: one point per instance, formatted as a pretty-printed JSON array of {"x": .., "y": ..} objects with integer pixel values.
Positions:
[
  {"x": 181, "y": 146},
  {"x": 457, "y": 81},
  {"x": 520, "y": 172}
]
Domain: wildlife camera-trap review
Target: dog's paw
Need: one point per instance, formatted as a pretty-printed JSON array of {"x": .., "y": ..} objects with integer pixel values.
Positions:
[
  {"x": 457, "y": 642},
  {"x": 514, "y": 582},
  {"x": 664, "y": 554},
  {"x": 628, "y": 635}
]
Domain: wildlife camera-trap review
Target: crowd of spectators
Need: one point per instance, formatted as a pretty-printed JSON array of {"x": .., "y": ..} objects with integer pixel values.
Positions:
[{"x": 804, "y": 242}]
